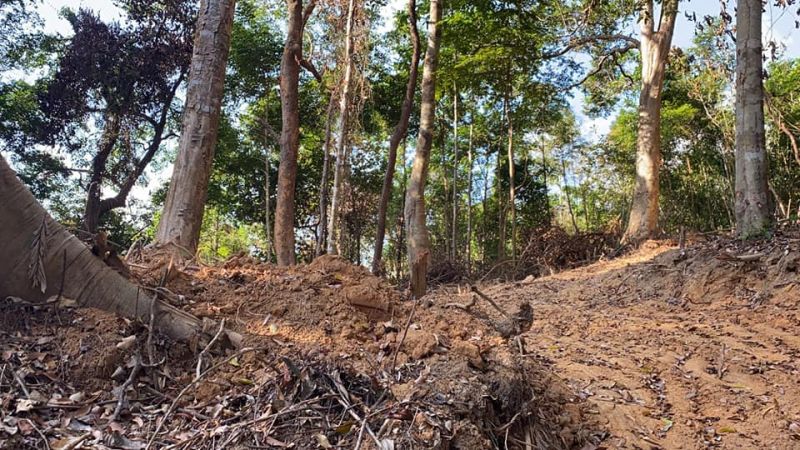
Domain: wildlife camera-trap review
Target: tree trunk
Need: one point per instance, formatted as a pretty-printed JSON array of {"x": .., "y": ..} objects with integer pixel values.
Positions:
[
  {"x": 454, "y": 223},
  {"x": 753, "y": 208},
  {"x": 655, "y": 46},
  {"x": 183, "y": 208},
  {"x": 567, "y": 197},
  {"x": 322, "y": 226},
  {"x": 512, "y": 190},
  {"x": 419, "y": 245},
  {"x": 267, "y": 209},
  {"x": 342, "y": 155},
  {"x": 502, "y": 216},
  {"x": 468, "y": 250},
  {"x": 91, "y": 214},
  {"x": 290, "y": 134},
  {"x": 398, "y": 135},
  {"x": 30, "y": 238}
]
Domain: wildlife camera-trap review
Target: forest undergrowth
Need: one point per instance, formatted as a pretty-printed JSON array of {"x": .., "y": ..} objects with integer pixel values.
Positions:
[{"x": 664, "y": 347}]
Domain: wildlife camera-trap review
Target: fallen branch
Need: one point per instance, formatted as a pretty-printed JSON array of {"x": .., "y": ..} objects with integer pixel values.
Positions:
[
  {"x": 137, "y": 366},
  {"x": 77, "y": 442},
  {"x": 405, "y": 332},
  {"x": 205, "y": 350},
  {"x": 491, "y": 302}
]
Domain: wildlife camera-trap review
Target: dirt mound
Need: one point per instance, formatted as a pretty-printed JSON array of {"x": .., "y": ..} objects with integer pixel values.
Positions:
[
  {"x": 330, "y": 359},
  {"x": 694, "y": 348}
]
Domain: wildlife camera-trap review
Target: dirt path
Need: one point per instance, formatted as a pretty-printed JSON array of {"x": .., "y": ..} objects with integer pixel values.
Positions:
[{"x": 699, "y": 353}]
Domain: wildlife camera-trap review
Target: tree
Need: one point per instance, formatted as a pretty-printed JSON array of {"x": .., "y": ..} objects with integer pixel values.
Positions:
[
  {"x": 398, "y": 135},
  {"x": 342, "y": 131},
  {"x": 752, "y": 206},
  {"x": 45, "y": 260},
  {"x": 419, "y": 246},
  {"x": 654, "y": 51},
  {"x": 291, "y": 62},
  {"x": 183, "y": 208}
]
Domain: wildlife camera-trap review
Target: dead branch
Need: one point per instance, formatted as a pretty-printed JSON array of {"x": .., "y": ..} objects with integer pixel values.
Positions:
[
  {"x": 137, "y": 366},
  {"x": 205, "y": 350},
  {"x": 405, "y": 332},
  {"x": 474, "y": 289}
]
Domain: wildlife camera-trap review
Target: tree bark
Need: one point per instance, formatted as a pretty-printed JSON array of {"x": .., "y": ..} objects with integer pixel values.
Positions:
[
  {"x": 567, "y": 196},
  {"x": 343, "y": 124},
  {"x": 454, "y": 223},
  {"x": 419, "y": 246},
  {"x": 290, "y": 134},
  {"x": 512, "y": 189},
  {"x": 398, "y": 135},
  {"x": 654, "y": 49},
  {"x": 322, "y": 226},
  {"x": 468, "y": 249},
  {"x": 91, "y": 213},
  {"x": 185, "y": 203},
  {"x": 27, "y": 231},
  {"x": 752, "y": 205}
]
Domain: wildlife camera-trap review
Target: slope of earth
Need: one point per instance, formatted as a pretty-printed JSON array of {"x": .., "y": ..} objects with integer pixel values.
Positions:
[
  {"x": 330, "y": 359},
  {"x": 675, "y": 349}
]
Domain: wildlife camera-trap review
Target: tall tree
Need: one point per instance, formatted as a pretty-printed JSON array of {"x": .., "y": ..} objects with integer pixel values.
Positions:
[
  {"x": 752, "y": 206},
  {"x": 656, "y": 40},
  {"x": 291, "y": 62},
  {"x": 418, "y": 240},
  {"x": 342, "y": 132},
  {"x": 398, "y": 135},
  {"x": 185, "y": 202}
]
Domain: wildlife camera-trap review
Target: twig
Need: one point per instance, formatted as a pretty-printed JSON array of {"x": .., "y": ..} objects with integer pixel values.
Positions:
[
  {"x": 491, "y": 302},
  {"x": 360, "y": 435},
  {"x": 210, "y": 344},
  {"x": 721, "y": 369},
  {"x": 189, "y": 386},
  {"x": 149, "y": 342},
  {"x": 77, "y": 442},
  {"x": 44, "y": 438},
  {"x": 137, "y": 366},
  {"x": 405, "y": 332},
  {"x": 20, "y": 383},
  {"x": 465, "y": 307},
  {"x": 363, "y": 422},
  {"x": 61, "y": 288}
]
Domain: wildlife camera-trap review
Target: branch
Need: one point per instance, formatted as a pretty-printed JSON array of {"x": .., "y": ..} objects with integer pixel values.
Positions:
[
  {"x": 309, "y": 66},
  {"x": 308, "y": 10},
  {"x": 575, "y": 43}
]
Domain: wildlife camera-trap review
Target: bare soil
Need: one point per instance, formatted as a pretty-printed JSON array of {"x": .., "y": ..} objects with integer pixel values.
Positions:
[
  {"x": 676, "y": 349},
  {"x": 660, "y": 349}
]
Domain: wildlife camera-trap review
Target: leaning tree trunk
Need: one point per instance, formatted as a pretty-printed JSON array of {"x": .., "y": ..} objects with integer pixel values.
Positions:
[
  {"x": 183, "y": 209},
  {"x": 398, "y": 135},
  {"x": 655, "y": 46},
  {"x": 343, "y": 124},
  {"x": 752, "y": 195},
  {"x": 419, "y": 244},
  {"x": 42, "y": 260}
]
